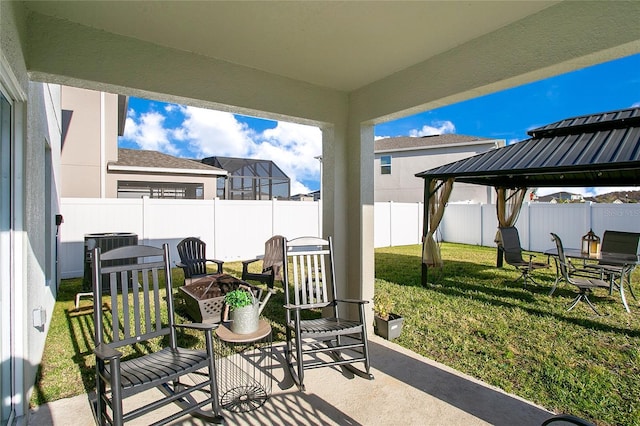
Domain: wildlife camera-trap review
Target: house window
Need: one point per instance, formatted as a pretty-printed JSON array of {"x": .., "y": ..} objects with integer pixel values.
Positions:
[
  {"x": 132, "y": 189},
  {"x": 385, "y": 165}
]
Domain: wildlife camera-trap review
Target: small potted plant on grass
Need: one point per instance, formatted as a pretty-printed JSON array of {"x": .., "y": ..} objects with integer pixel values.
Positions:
[
  {"x": 387, "y": 324},
  {"x": 243, "y": 311}
]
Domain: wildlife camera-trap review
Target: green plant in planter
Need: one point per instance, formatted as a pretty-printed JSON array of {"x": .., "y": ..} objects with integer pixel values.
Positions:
[
  {"x": 244, "y": 311},
  {"x": 382, "y": 305},
  {"x": 387, "y": 324},
  {"x": 238, "y": 299}
]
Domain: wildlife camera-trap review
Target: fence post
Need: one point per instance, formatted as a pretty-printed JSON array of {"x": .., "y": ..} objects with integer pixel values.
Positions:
[
  {"x": 145, "y": 200},
  {"x": 215, "y": 227},
  {"x": 273, "y": 215},
  {"x": 391, "y": 224}
]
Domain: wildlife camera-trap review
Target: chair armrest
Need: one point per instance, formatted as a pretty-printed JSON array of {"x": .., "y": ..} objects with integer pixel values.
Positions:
[
  {"x": 245, "y": 266},
  {"x": 532, "y": 255},
  {"x": 360, "y": 301},
  {"x": 247, "y": 262},
  {"x": 217, "y": 262},
  {"x": 301, "y": 307},
  {"x": 103, "y": 351},
  {"x": 197, "y": 326}
]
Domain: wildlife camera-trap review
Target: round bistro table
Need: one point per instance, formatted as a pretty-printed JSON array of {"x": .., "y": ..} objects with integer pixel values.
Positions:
[{"x": 244, "y": 363}]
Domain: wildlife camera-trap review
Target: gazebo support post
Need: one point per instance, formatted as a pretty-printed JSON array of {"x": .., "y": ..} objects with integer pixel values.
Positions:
[{"x": 425, "y": 231}]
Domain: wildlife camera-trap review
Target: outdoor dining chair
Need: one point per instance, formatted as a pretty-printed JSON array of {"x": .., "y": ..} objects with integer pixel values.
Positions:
[
  {"x": 618, "y": 242},
  {"x": 510, "y": 246},
  {"x": 584, "y": 284},
  {"x": 310, "y": 287}
]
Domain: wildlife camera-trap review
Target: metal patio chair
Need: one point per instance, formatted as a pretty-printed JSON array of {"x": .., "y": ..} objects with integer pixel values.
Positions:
[
  {"x": 566, "y": 420},
  {"x": 327, "y": 341},
  {"x": 512, "y": 250},
  {"x": 619, "y": 242},
  {"x": 140, "y": 295},
  {"x": 585, "y": 285},
  {"x": 193, "y": 259}
]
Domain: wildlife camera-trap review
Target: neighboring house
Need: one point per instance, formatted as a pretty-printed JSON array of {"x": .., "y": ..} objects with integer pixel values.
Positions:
[
  {"x": 397, "y": 160},
  {"x": 561, "y": 197},
  {"x": 250, "y": 179},
  {"x": 92, "y": 122},
  {"x": 139, "y": 173},
  {"x": 311, "y": 196}
]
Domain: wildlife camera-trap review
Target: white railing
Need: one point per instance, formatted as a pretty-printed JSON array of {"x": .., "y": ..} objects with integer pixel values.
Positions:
[{"x": 237, "y": 230}]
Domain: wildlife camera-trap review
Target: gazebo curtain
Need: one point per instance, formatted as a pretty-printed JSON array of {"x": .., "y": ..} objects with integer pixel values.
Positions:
[
  {"x": 439, "y": 192},
  {"x": 508, "y": 208}
]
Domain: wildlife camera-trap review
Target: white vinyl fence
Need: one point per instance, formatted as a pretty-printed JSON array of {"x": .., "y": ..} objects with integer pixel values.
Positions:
[
  {"x": 232, "y": 230},
  {"x": 237, "y": 230}
]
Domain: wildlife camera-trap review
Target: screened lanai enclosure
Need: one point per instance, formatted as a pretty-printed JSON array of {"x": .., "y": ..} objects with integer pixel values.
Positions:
[{"x": 250, "y": 179}]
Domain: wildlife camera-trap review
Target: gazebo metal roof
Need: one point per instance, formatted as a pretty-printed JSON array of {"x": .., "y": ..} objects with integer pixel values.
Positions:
[{"x": 591, "y": 150}]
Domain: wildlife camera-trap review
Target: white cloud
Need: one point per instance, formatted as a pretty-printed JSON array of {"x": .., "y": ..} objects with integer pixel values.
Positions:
[
  {"x": 148, "y": 132},
  {"x": 293, "y": 147},
  {"x": 635, "y": 105},
  {"x": 438, "y": 128},
  {"x": 203, "y": 133},
  {"x": 210, "y": 132}
]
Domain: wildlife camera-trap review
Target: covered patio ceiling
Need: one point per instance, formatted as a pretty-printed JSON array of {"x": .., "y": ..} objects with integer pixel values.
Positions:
[
  {"x": 341, "y": 45},
  {"x": 592, "y": 150}
]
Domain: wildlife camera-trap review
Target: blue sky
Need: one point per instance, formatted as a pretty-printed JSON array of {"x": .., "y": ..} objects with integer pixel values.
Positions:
[{"x": 196, "y": 133}]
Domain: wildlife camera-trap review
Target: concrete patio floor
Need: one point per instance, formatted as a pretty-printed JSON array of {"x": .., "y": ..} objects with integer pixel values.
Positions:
[{"x": 408, "y": 389}]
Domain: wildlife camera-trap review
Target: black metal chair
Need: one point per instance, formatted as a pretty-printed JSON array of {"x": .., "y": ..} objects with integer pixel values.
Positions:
[
  {"x": 327, "y": 341},
  {"x": 585, "y": 285},
  {"x": 512, "y": 250},
  {"x": 193, "y": 259},
  {"x": 620, "y": 243},
  {"x": 271, "y": 263},
  {"x": 566, "y": 419},
  {"x": 140, "y": 317}
]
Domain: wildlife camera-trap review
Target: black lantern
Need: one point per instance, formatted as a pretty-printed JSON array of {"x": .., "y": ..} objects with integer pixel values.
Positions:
[{"x": 590, "y": 243}]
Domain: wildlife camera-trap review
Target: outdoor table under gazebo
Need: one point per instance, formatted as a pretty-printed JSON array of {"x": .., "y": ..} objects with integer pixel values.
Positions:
[{"x": 592, "y": 150}]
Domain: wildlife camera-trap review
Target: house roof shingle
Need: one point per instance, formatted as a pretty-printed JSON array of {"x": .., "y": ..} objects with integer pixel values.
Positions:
[
  {"x": 411, "y": 142},
  {"x": 154, "y": 159}
]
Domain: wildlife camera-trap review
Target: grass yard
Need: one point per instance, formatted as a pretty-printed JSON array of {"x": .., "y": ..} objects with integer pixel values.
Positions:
[{"x": 471, "y": 316}]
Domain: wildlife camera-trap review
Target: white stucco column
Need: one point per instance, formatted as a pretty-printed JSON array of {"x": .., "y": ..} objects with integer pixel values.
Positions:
[
  {"x": 348, "y": 207},
  {"x": 360, "y": 158}
]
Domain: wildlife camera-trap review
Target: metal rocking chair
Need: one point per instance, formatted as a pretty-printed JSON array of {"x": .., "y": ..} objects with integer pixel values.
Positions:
[
  {"x": 140, "y": 295},
  {"x": 327, "y": 341}
]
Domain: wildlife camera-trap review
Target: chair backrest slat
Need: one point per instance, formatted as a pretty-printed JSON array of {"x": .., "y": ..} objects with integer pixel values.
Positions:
[
  {"x": 312, "y": 272},
  {"x": 135, "y": 294},
  {"x": 273, "y": 255},
  {"x": 620, "y": 242},
  {"x": 193, "y": 254},
  {"x": 511, "y": 244},
  {"x": 562, "y": 259}
]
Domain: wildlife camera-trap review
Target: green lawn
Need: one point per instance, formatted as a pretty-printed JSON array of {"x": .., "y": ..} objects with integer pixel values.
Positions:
[{"x": 472, "y": 317}]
